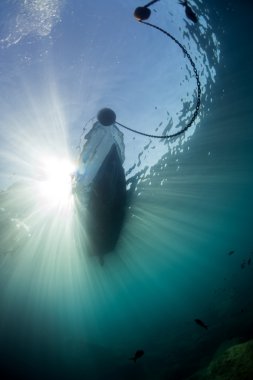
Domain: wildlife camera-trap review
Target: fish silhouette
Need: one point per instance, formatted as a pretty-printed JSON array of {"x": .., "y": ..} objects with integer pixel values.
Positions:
[
  {"x": 138, "y": 354},
  {"x": 201, "y": 323},
  {"x": 188, "y": 11}
]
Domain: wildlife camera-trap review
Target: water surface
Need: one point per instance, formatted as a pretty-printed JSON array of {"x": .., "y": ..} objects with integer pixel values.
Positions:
[{"x": 62, "y": 314}]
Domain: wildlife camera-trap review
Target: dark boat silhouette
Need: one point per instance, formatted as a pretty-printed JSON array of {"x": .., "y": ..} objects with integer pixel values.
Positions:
[
  {"x": 106, "y": 206},
  {"x": 101, "y": 205}
]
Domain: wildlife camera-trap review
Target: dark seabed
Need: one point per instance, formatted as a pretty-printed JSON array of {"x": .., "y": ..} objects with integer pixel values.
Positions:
[{"x": 186, "y": 249}]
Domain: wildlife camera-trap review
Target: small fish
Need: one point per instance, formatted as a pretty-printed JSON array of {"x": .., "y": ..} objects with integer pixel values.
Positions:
[
  {"x": 201, "y": 323},
  {"x": 249, "y": 261},
  {"x": 231, "y": 253},
  {"x": 188, "y": 11},
  {"x": 138, "y": 354},
  {"x": 243, "y": 265}
]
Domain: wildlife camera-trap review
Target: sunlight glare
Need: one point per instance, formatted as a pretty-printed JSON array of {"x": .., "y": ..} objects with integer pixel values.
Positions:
[{"x": 55, "y": 185}]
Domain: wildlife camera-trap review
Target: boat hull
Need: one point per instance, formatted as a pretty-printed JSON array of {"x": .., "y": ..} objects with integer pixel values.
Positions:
[{"x": 106, "y": 206}]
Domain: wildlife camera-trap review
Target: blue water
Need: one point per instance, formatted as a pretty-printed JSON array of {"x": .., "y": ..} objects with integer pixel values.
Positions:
[{"x": 62, "y": 314}]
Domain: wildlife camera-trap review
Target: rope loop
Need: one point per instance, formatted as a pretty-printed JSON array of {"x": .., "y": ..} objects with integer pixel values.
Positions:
[{"x": 197, "y": 107}]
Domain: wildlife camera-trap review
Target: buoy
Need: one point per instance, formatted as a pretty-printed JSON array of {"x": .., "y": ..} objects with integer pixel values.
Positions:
[
  {"x": 106, "y": 116},
  {"x": 142, "y": 13}
]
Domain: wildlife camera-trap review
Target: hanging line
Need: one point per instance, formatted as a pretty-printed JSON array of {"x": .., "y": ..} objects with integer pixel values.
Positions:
[{"x": 197, "y": 107}]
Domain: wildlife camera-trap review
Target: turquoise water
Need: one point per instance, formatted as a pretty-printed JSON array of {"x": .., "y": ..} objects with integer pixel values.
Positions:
[{"x": 63, "y": 315}]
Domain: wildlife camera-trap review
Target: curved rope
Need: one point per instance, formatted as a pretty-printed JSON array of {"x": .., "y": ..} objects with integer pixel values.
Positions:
[{"x": 195, "y": 114}]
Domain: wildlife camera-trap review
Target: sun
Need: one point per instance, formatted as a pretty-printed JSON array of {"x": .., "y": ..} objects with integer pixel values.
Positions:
[{"x": 55, "y": 184}]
